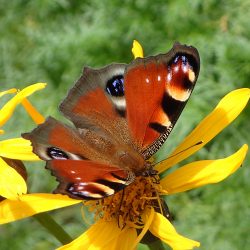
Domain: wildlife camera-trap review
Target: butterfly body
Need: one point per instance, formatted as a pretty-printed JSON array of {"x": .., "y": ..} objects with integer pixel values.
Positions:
[{"x": 122, "y": 115}]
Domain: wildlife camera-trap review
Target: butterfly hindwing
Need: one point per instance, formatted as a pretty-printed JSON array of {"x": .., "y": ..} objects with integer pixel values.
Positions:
[
  {"x": 83, "y": 167},
  {"x": 82, "y": 144},
  {"x": 84, "y": 179}
]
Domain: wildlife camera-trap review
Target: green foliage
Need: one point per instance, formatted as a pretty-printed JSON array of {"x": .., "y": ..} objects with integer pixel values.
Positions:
[{"x": 50, "y": 41}]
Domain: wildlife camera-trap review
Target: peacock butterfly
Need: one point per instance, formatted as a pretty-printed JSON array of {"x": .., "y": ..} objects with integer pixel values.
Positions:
[{"x": 122, "y": 114}]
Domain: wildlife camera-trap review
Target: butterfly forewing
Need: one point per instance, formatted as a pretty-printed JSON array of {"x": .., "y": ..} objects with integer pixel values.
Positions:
[
  {"x": 94, "y": 95},
  {"x": 156, "y": 91}
]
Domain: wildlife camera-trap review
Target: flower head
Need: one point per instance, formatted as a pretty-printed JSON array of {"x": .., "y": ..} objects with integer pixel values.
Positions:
[
  {"x": 7, "y": 110},
  {"x": 129, "y": 214},
  {"x": 18, "y": 148},
  {"x": 12, "y": 170}
]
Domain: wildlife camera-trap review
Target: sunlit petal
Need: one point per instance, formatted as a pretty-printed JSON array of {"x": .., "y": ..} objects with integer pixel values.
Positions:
[
  {"x": 17, "y": 148},
  {"x": 137, "y": 49},
  {"x": 124, "y": 241},
  {"x": 31, "y": 110},
  {"x": 11, "y": 183},
  {"x": 30, "y": 204},
  {"x": 200, "y": 173},
  {"x": 148, "y": 217},
  {"x": 100, "y": 235},
  {"x": 1, "y": 131},
  {"x": 9, "y": 91},
  {"x": 8, "y": 108},
  {"x": 164, "y": 230},
  {"x": 225, "y": 112}
]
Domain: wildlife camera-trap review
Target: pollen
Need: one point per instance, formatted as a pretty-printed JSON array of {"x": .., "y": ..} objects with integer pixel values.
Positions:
[{"x": 127, "y": 205}]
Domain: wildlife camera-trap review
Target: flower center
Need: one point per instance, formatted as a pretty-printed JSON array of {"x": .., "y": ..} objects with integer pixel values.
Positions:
[{"x": 128, "y": 204}]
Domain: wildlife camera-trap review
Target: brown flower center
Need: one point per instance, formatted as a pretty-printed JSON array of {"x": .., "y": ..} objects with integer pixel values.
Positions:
[{"x": 127, "y": 205}]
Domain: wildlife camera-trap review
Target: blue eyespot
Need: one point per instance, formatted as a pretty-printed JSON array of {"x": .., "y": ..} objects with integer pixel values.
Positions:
[
  {"x": 175, "y": 60},
  {"x": 57, "y": 154},
  {"x": 115, "y": 86},
  {"x": 184, "y": 60}
]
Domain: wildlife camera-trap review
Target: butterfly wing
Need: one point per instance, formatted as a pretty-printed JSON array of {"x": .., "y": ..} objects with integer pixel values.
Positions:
[
  {"x": 69, "y": 155},
  {"x": 156, "y": 91},
  {"x": 97, "y": 97},
  {"x": 150, "y": 93},
  {"x": 122, "y": 115},
  {"x": 84, "y": 179},
  {"x": 53, "y": 135}
]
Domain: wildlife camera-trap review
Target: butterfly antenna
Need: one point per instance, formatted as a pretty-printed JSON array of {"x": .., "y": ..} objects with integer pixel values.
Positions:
[
  {"x": 196, "y": 144},
  {"x": 162, "y": 206}
]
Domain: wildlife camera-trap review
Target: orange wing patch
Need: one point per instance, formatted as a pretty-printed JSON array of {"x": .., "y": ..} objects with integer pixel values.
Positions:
[
  {"x": 144, "y": 89},
  {"x": 94, "y": 101}
]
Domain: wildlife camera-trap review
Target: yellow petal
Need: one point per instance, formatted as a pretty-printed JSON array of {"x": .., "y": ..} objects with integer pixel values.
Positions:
[
  {"x": 224, "y": 113},
  {"x": 148, "y": 217},
  {"x": 1, "y": 131},
  {"x": 8, "y": 108},
  {"x": 17, "y": 148},
  {"x": 137, "y": 49},
  {"x": 200, "y": 173},
  {"x": 124, "y": 241},
  {"x": 164, "y": 230},
  {"x": 97, "y": 237},
  {"x": 11, "y": 183},
  {"x": 31, "y": 110},
  {"x": 9, "y": 91},
  {"x": 30, "y": 204}
]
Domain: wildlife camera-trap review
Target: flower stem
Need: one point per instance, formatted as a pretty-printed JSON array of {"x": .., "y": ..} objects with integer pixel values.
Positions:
[
  {"x": 152, "y": 242},
  {"x": 156, "y": 245},
  {"x": 53, "y": 227}
]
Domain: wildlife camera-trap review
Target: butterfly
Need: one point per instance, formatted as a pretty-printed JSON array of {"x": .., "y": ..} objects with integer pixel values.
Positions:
[{"x": 122, "y": 114}]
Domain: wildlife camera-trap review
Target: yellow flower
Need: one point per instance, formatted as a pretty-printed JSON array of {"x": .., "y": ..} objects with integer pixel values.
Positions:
[
  {"x": 139, "y": 208},
  {"x": 19, "y": 148},
  {"x": 12, "y": 183},
  {"x": 10, "y": 175},
  {"x": 7, "y": 110},
  {"x": 5, "y": 115},
  {"x": 137, "y": 49}
]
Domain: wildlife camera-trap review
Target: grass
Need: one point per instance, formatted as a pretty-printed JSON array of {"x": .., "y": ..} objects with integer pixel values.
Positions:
[{"x": 50, "y": 41}]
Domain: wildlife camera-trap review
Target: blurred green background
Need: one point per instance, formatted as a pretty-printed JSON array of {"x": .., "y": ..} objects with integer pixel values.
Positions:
[{"x": 50, "y": 41}]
